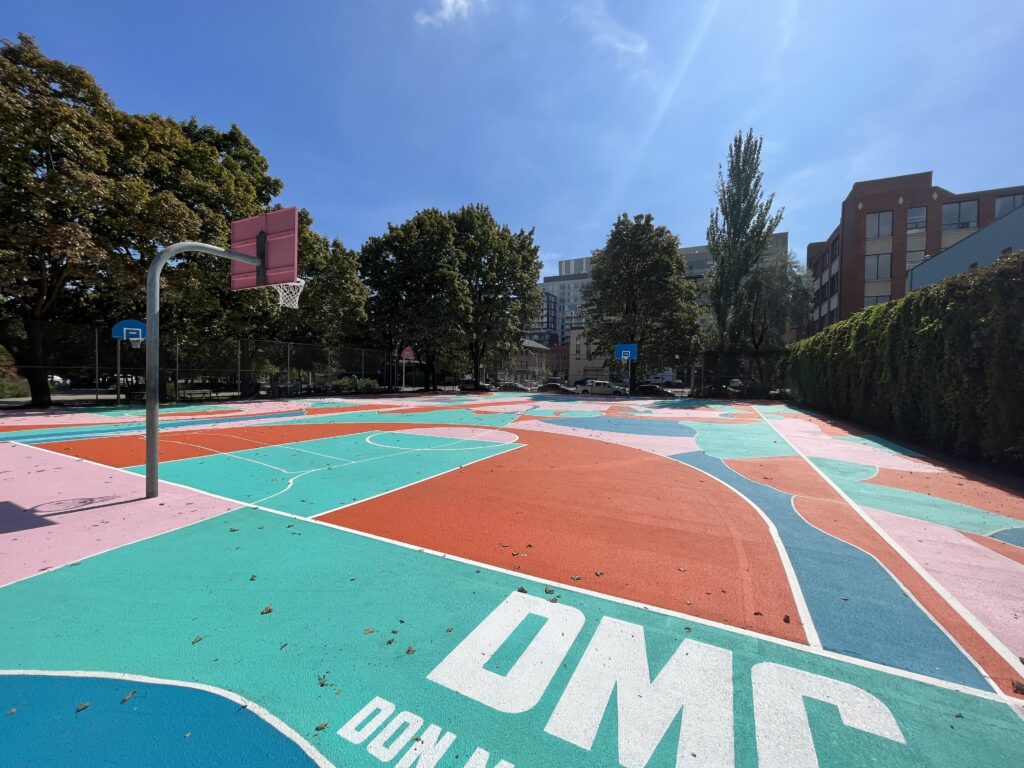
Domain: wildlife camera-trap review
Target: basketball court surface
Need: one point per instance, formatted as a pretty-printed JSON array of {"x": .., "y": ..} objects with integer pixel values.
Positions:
[{"x": 501, "y": 580}]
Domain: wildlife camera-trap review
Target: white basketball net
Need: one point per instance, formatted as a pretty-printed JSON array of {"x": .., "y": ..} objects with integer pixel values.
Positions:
[{"x": 288, "y": 293}]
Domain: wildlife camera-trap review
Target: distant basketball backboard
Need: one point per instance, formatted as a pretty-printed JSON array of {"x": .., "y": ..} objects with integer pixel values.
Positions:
[
  {"x": 128, "y": 330},
  {"x": 626, "y": 352},
  {"x": 277, "y": 235}
]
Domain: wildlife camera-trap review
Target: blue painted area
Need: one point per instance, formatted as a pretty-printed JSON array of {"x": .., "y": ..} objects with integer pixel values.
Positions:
[
  {"x": 36, "y": 436},
  {"x": 1013, "y": 536},
  {"x": 160, "y": 725},
  {"x": 878, "y": 620},
  {"x": 661, "y": 427}
]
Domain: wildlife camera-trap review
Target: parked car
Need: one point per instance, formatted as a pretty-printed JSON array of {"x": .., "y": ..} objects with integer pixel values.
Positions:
[
  {"x": 467, "y": 385},
  {"x": 651, "y": 390},
  {"x": 599, "y": 387},
  {"x": 511, "y": 386},
  {"x": 582, "y": 383},
  {"x": 554, "y": 388}
]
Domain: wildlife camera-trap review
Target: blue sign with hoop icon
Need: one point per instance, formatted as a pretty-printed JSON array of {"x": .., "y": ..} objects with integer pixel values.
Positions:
[
  {"x": 130, "y": 330},
  {"x": 626, "y": 352}
]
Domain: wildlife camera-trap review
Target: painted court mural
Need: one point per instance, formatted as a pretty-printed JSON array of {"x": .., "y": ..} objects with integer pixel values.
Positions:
[{"x": 501, "y": 580}]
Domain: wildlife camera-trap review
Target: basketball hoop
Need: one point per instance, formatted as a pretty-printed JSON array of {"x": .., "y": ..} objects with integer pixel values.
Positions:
[
  {"x": 288, "y": 293},
  {"x": 135, "y": 341}
]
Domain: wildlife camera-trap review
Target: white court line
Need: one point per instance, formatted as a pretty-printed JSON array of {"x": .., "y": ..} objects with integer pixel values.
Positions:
[
  {"x": 966, "y": 615},
  {"x": 275, "y": 722},
  {"x": 832, "y": 655}
]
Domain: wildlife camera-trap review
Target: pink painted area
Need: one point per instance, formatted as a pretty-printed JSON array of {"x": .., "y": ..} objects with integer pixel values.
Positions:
[
  {"x": 56, "y": 509},
  {"x": 809, "y": 438},
  {"x": 675, "y": 414},
  {"x": 462, "y": 433},
  {"x": 988, "y": 584},
  {"x": 658, "y": 444}
]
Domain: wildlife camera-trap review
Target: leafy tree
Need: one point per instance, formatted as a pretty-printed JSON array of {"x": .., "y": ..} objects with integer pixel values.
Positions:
[
  {"x": 417, "y": 294},
  {"x": 775, "y": 299},
  {"x": 739, "y": 234},
  {"x": 640, "y": 294},
  {"x": 500, "y": 269},
  {"x": 91, "y": 193}
]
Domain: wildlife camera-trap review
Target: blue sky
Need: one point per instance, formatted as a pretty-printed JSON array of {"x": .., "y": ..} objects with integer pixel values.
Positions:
[{"x": 562, "y": 114}]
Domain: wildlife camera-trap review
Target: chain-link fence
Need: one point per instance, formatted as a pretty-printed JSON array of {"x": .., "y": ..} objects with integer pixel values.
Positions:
[{"x": 83, "y": 361}]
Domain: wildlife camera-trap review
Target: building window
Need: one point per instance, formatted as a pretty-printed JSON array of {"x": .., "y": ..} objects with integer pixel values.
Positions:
[
  {"x": 880, "y": 224},
  {"x": 914, "y": 258},
  {"x": 917, "y": 218},
  {"x": 870, "y": 301},
  {"x": 1008, "y": 203},
  {"x": 878, "y": 266},
  {"x": 962, "y": 215}
]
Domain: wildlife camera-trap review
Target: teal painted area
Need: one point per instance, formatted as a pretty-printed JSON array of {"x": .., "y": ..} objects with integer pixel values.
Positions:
[
  {"x": 881, "y": 444},
  {"x": 316, "y": 476},
  {"x": 750, "y": 440},
  {"x": 454, "y": 416},
  {"x": 851, "y": 478},
  {"x": 138, "y": 609}
]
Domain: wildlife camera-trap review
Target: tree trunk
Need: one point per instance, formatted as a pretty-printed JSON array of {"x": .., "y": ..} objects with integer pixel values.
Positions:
[{"x": 35, "y": 370}]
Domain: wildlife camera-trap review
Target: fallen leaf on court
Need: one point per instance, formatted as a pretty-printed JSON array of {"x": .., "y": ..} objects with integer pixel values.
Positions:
[
  {"x": 369, "y": 631},
  {"x": 515, "y": 553},
  {"x": 233, "y": 530},
  {"x": 390, "y": 641},
  {"x": 253, "y": 577},
  {"x": 786, "y": 618},
  {"x": 575, "y": 578},
  {"x": 599, "y": 573},
  {"x": 321, "y": 726},
  {"x": 503, "y": 546},
  {"x": 11, "y": 711},
  {"x": 1018, "y": 686},
  {"x": 549, "y": 591},
  {"x": 959, "y": 715},
  {"x": 552, "y": 599},
  {"x": 128, "y": 696},
  {"x": 187, "y": 734},
  {"x": 522, "y": 589},
  {"x": 322, "y": 680},
  {"x": 268, "y": 609},
  {"x": 80, "y": 707},
  {"x": 283, "y": 646},
  {"x": 410, "y": 650},
  {"x": 681, "y": 569},
  {"x": 449, "y": 630},
  {"x": 758, "y": 613},
  {"x": 196, "y": 639}
]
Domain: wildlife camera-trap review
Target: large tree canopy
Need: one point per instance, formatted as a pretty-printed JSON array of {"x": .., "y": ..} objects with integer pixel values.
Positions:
[
  {"x": 640, "y": 294},
  {"x": 500, "y": 269},
  {"x": 739, "y": 233},
  {"x": 90, "y": 194},
  {"x": 416, "y": 292}
]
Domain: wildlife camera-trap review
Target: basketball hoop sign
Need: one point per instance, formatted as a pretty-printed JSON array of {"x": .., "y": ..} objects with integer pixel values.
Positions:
[
  {"x": 626, "y": 352},
  {"x": 273, "y": 238},
  {"x": 133, "y": 331}
]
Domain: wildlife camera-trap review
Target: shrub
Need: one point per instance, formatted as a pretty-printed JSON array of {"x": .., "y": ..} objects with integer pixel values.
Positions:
[{"x": 943, "y": 366}]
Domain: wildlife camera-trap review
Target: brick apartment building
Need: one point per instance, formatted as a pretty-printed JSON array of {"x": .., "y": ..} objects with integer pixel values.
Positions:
[{"x": 886, "y": 227}]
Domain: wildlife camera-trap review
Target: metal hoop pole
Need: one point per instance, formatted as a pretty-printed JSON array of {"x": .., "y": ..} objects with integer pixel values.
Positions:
[{"x": 153, "y": 349}]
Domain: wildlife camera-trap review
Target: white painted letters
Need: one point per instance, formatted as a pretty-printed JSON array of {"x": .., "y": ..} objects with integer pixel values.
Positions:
[
  {"x": 385, "y": 752},
  {"x": 518, "y": 691},
  {"x": 696, "y": 681},
  {"x": 356, "y": 731},
  {"x": 783, "y": 732}
]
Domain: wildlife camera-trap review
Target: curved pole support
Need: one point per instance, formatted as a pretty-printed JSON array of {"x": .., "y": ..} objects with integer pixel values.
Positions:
[{"x": 153, "y": 349}]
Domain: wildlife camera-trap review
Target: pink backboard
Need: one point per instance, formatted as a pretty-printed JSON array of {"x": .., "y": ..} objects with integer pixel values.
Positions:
[{"x": 282, "y": 254}]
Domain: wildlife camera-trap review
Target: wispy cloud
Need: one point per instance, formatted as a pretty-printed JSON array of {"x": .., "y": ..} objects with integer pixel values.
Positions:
[
  {"x": 447, "y": 11},
  {"x": 606, "y": 32}
]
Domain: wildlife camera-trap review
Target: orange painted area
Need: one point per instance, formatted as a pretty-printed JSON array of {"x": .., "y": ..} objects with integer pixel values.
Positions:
[
  {"x": 558, "y": 509},
  {"x": 130, "y": 450},
  {"x": 1002, "y": 547},
  {"x": 954, "y": 486}
]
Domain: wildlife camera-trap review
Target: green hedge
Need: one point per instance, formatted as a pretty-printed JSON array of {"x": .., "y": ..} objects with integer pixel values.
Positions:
[{"x": 943, "y": 366}]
